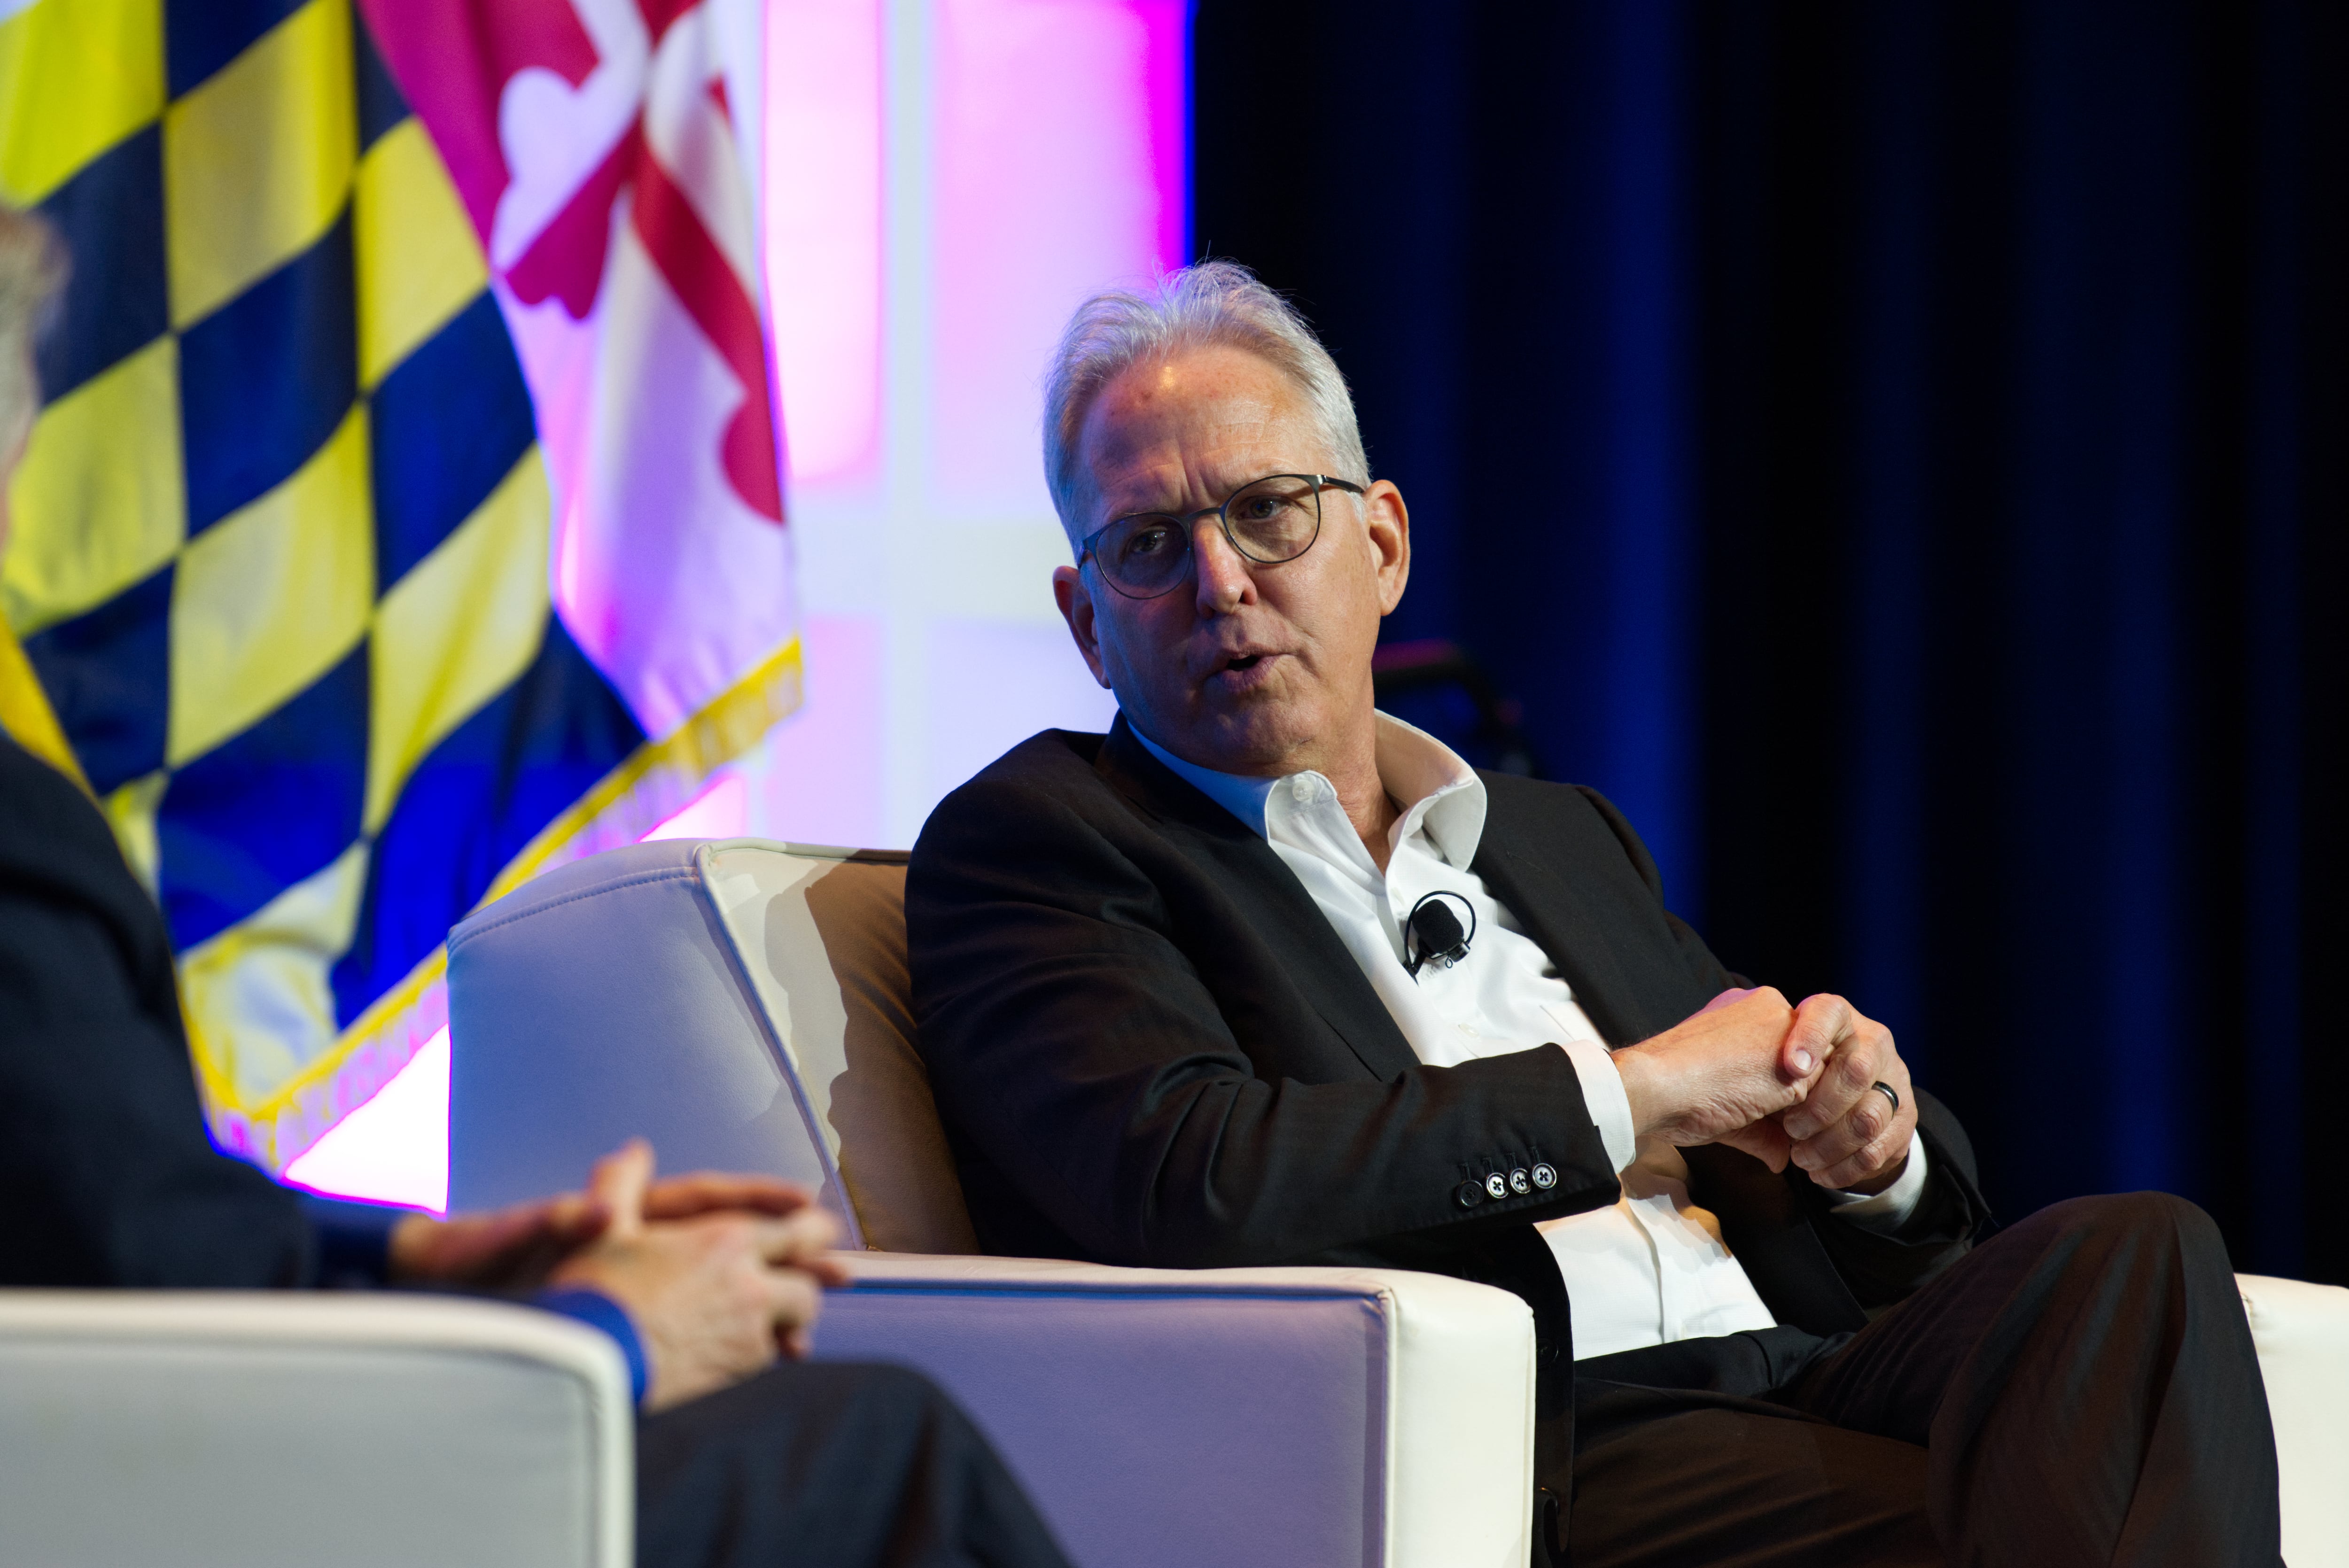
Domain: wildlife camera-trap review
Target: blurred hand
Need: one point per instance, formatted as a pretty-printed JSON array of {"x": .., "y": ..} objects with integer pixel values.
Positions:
[
  {"x": 516, "y": 1248},
  {"x": 1721, "y": 1075},
  {"x": 715, "y": 1294},
  {"x": 510, "y": 1250},
  {"x": 1844, "y": 1133}
]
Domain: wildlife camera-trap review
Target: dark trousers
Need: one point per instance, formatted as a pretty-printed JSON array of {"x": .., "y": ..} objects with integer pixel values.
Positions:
[
  {"x": 829, "y": 1465},
  {"x": 2080, "y": 1389}
]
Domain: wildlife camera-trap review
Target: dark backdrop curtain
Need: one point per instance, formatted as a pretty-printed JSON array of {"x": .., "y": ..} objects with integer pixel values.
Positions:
[{"x": 1897, "y": 451}]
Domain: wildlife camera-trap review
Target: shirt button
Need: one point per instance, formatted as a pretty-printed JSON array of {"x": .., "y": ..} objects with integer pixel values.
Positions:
[
  {"x": 1520, "y": 1182},
  {"x": 1300, "y": 789},
  {"x": 1497, "y": 1185}
]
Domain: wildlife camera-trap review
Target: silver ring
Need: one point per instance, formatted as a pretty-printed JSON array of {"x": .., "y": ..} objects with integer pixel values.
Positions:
[{"x": 1888, "y": 1092}]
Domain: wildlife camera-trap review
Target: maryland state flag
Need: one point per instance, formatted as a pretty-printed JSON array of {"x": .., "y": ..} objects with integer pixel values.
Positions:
[{"x": 403, "y": 517}]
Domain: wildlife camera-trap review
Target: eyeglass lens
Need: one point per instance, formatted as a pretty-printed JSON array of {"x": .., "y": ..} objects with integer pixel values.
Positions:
[{"x": 1270, "y": 522}]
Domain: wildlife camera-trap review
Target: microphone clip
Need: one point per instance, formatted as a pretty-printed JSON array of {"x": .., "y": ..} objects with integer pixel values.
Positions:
[{"x": 1431, "y": 934}]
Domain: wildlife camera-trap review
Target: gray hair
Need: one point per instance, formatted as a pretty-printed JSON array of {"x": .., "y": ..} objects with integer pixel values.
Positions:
[
  {"x": 1212, "y": 304},
  {"x": 32, "y": 273}
]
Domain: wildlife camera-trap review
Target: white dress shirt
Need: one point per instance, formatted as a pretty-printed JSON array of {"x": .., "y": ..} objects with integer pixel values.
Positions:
[{"x": 1651, "y": 1268}]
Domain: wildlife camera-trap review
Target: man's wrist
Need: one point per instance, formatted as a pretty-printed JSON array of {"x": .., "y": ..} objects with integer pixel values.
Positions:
[{"x": 1636, "y": 1070}]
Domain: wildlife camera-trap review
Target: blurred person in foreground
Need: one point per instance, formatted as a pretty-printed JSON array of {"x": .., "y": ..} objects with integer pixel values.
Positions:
[
  {"x": 1184, "y": 1003},
  {"x": 703, "y": 1281}
]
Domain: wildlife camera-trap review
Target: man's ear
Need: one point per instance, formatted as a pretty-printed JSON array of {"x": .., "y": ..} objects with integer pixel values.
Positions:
[
  {"x": 1388, "y": 522},
  {"x": 1076, "y": 604}
]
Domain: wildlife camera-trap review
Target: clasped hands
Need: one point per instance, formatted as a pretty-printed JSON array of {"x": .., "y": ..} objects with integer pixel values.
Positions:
[
  {"x": 718, "y": 1274},
  {"x": 1782, "y": 1083}
]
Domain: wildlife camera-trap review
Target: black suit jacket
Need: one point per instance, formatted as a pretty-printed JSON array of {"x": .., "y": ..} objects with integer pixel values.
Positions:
[
  {"x": 108, "y": 1175},
  {"x": 1149, "y": 1046}
]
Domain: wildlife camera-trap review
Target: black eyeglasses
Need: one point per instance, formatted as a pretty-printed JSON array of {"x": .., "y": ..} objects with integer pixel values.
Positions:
[{"x": 1274, "y": 519}]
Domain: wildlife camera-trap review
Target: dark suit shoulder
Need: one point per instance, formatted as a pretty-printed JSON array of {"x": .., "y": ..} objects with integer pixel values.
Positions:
[
  {"x": 1048, "y": 759},
  {"x": 50, "y": 829},
  {"x": 57, "y": 849},
  {"x": 111, "y": 1178},
  {"x": 1539, "y": 815}
]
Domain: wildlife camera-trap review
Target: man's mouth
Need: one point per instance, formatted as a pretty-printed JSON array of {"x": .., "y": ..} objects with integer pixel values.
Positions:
[{"x": 1242, "y": 671}]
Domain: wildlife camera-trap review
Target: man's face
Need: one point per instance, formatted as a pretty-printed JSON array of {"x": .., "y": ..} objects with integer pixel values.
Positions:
[{"x": 1244, "y": 668}]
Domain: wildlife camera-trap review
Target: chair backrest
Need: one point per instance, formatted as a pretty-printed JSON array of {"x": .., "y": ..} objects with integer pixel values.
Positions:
[{"x": 742, "y": 1004}]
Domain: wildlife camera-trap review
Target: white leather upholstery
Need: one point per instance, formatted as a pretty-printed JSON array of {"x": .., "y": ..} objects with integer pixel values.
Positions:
[
  {"x": 1227, "y": 1416},
  {"x": 250, "y": 1431},
  {"x": 743, "y": 1003},
  {"x": 2302, "y": 1334}
]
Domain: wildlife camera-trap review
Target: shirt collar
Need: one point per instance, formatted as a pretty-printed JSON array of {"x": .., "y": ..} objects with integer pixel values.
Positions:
[{"x": 1427, "y": 779}]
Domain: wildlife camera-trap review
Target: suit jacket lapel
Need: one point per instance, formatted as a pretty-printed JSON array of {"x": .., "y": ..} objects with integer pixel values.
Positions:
[
  {"x": 1293, "y": 925},
  {"x": 1545, "y": 902}
]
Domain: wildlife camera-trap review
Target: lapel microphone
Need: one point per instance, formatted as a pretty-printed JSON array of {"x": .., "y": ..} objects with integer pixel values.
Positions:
[{"x": 1431, "y": 934}]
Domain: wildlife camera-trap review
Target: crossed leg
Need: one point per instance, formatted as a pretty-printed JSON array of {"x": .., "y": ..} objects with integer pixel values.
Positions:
[{"x": 2080, "y": 1389}]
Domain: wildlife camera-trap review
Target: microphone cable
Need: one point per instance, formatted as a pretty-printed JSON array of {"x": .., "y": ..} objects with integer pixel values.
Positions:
[{"x": 1433, "y": 930}]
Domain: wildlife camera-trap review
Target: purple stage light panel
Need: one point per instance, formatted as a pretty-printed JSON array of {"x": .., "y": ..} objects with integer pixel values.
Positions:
[
  {"x": 823, "y": 191},
  {"x": 1059, "y": 164},
  {"x": 720, "y": 811},
  {"x": 821, "y": 772}
]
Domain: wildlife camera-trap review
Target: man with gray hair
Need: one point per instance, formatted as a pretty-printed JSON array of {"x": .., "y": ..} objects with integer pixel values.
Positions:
[{"x": 1266, "y": 976}]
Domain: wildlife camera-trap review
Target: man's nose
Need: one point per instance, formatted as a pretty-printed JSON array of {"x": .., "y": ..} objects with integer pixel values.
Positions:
[{"x": 1224, "y": 583}]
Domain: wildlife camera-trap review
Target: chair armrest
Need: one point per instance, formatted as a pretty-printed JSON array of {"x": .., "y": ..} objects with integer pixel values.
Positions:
[
  {"x": 2301, "y": 1333},
  {"x": 260, "y": 1428},
  {"x": 1239, "y": 1416}
]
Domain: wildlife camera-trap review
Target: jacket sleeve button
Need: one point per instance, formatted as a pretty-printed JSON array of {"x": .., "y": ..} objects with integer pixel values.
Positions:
[
  {"x": 1520, "y": 1182},
  {"x": 1544, "y": 1177},
  {"x": 1468, "y": 1194},
  {"x": 1496, "y": 1186}
]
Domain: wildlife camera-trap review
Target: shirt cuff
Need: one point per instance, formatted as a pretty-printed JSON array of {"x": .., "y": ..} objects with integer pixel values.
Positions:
[
  {"x": 596, "y": 1310},
  {"x": 1889, "y": 1210},
  {"x": 1603, "y": 1096}
]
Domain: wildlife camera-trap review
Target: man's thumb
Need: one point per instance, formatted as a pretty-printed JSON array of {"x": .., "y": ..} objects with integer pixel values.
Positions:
[{"x": 618, "y": 1184}]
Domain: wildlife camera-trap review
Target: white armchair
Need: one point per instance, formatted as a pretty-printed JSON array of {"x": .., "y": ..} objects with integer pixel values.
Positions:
[
  {"x": 254, "y": 1431},
  {"x": 745, "y": 1004}
]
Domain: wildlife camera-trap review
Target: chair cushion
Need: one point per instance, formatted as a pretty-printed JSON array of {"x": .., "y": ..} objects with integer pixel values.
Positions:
[{"x": 822, "y": 934}]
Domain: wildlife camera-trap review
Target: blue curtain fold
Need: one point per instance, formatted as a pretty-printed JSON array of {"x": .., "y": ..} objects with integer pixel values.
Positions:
[{"x": 1896, "y": 450}]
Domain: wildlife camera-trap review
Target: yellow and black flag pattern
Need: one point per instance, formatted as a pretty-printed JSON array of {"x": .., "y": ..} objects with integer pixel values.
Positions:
[{"x": 281, "y": 552}]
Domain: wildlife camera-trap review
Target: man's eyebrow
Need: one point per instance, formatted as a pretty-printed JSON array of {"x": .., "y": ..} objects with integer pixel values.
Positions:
[
  {"x": 1181, "y": 506},
  {"x": 1161, "y": 506}
]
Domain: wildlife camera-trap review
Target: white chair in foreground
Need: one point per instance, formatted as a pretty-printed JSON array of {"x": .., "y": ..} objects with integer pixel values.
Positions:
[
  {"x": 744, "y": 1005},
  {"x": 234, "y": 1430}
]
